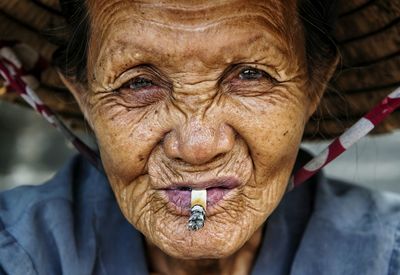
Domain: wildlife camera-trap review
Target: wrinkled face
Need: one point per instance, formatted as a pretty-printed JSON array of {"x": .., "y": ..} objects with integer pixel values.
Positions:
[{"x": 197, "y": 94}]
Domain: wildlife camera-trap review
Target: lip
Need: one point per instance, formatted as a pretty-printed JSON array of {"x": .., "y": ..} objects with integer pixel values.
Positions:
[{"x": 179, "y": 194}]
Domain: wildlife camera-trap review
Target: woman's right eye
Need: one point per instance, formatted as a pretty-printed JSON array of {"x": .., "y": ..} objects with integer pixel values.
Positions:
[
  {"x": 142, "y": 91},
  {"x": 139, "y": 83}
]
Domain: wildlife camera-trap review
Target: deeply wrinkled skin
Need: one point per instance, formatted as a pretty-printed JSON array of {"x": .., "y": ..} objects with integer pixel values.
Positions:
[{"x": 199, "y": 118}]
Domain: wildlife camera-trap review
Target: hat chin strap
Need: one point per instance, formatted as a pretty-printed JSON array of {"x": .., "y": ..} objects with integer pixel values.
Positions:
[
  {"x": 15, "y": 77},
  {"x": 360, "y": 129}
]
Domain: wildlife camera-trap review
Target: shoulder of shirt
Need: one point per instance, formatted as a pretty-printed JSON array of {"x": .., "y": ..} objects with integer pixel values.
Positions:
[
  {"x": 362, "y": 222},
  {"x": 52, "y": 227},
  {"x": 17, "y": 202},
  {"x": 356, "y": 229},
  {"x": 353, "y": 205}
]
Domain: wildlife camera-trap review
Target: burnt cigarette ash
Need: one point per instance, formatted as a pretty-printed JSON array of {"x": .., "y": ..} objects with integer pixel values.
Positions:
[
  {"x": 198, "y": 209},
  {"x": 197, "y": 218}
]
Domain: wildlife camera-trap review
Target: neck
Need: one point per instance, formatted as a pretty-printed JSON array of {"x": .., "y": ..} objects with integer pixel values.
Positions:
[{"x": 241, "y": 262}]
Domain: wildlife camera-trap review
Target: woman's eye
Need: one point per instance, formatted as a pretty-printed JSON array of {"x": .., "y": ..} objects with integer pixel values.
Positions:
[
  {"x": 140, "y": 83},
  {"x": 251, "y": 74},
  {"x": 142, "y": 91}
]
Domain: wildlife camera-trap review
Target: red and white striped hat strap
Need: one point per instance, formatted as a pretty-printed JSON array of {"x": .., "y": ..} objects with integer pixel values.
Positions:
[
  {"x": 16, "y": 78},
  {"x": 360, "y": 129}
]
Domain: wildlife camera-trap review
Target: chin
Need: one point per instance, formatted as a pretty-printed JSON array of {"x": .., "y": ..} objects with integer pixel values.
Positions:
[
  {"x": 202, "y": 245},
  {"x": 229, "y": 224},
  {"x": 222, "y": 235}
]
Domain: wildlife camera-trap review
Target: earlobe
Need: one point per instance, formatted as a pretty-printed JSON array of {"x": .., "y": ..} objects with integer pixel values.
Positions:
[{"x": 80, "y": 93}]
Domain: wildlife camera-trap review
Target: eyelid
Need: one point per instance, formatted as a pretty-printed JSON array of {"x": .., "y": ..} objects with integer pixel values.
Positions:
[
  {"x": 258, "y": 71},
  {"x": 136, "y": 78},
  {"x": 266, "y": 71},
  {"x": 235, "y": 69},
  {"x": 144, "y": 71}
]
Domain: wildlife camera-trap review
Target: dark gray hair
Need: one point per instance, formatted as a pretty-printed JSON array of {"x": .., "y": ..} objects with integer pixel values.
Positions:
[{"x": 71, "y": 56}]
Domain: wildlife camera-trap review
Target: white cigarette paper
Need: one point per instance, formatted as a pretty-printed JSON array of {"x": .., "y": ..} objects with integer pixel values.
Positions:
[
  {"x": 199, "y": 197},
  {"x": 198, "y": 209}
]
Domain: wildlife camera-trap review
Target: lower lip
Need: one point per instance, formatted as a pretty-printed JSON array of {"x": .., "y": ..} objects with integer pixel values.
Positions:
[{"x": 182, "y": 198}]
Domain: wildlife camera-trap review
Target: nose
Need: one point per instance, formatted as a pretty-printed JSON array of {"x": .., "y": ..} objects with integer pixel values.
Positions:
[{"x": 199, "y": 142}]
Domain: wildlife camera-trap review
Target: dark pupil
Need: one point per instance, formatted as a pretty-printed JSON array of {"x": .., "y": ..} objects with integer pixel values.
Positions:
[
  {"x": 139, "y": 83},
  {"x": 249, "y": 74}
]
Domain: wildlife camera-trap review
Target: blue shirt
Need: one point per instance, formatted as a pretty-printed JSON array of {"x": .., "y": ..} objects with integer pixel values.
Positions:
[{"x": 72, "y": 225}]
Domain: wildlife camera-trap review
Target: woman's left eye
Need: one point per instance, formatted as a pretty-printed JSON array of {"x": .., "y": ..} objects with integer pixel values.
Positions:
[
  {"x": 251, "y": 74},
  {"x": 140, "y": 83}
]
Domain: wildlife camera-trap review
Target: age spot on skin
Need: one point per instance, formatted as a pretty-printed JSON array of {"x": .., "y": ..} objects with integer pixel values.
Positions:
[{"x": 285, "y": 133}]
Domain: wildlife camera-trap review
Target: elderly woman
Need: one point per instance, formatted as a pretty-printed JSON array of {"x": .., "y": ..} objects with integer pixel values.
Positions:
[{"x": 185, "y": 96}]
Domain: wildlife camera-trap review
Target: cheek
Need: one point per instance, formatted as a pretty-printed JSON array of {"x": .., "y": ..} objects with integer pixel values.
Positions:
[
  {"x": 272, "y": 130},
  {"x": 126, "y": 138},
  {"x": 271, "y": 126}
]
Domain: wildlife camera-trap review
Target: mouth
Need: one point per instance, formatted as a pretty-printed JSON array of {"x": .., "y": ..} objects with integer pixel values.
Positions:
[{"x": 180, "y": 194}]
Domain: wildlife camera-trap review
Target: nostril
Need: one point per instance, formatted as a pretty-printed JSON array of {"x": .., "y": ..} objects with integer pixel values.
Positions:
[
  {"x": 215, "y": 158},
  {"x": 219, "y": 156},
  {"x": 179, "y": 159}
]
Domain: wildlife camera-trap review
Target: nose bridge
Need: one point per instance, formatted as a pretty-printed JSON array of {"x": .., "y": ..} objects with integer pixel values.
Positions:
[
  {"x": 194, "y": 99},
  {"x": 199, "y": 140}
]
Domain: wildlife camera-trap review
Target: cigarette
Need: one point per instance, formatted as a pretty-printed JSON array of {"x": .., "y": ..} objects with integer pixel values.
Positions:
[{"x": 198, "y": 209}]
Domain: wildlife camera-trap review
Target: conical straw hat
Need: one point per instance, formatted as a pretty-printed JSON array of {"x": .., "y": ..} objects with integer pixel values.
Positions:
[{"x": 367, "y": 35}]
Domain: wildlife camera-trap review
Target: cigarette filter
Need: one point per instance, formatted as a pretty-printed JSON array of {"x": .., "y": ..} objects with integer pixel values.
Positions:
[{"x": 198, "y": 212}]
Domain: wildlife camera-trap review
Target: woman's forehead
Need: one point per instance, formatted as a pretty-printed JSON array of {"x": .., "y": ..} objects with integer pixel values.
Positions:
[
  {"x": 210, "y": 31},
  {"x": 188, "y": 13}
]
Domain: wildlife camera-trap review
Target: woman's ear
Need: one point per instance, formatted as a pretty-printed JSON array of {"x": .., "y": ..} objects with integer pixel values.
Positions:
[{"x": 80, "y": 93}]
